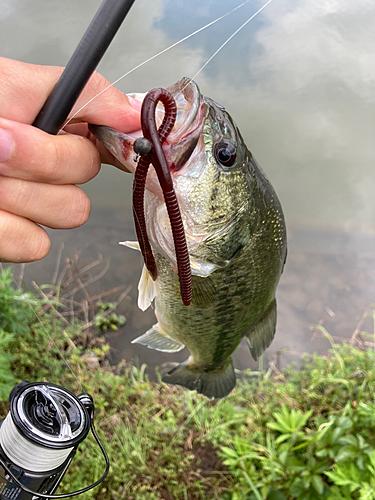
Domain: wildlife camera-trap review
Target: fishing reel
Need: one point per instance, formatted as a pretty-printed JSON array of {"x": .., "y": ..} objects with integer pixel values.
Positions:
[{"x": 39, "y": 438}]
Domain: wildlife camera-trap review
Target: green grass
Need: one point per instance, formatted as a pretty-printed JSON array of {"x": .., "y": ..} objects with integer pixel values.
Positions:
[{"x": 305, "y": 434}]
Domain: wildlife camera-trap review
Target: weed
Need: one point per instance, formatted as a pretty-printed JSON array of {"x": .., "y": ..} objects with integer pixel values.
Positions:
[
  {"x": 321, "y": 444},
  {"x": 304, "y": 435},
  {"x": 15, "y": 314},
  {"x": 106, "y": 319}
]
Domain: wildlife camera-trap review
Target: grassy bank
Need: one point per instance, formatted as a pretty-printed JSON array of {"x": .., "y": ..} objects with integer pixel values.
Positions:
[{"x": 305, "y": 434}]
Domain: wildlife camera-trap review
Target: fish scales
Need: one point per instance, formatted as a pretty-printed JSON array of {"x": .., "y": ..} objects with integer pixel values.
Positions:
[
  {"x": 212, "y": 331},
  {"x": 236, "y": 237}
]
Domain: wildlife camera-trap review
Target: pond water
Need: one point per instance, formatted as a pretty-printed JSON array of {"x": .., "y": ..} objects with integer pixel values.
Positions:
[{"x": 299, "y": 80}]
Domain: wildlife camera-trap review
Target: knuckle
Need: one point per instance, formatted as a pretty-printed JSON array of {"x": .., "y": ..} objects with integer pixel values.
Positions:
[
  {"x": 91, "y": 161},
  {"x": 56, "y": 156},
  {"x": 98, "y": 82},
  {"x": 3, "y": 190},
  {"x": 72, "y": 159},
  {"x": 39, "y": 244},
  {"x": 78, "y": 211},
  {"x": 21, "y": 240},
  {"x": 15, "y": 194},
  {"x": 5, "y": 231},
  {"x": 23, "y": 195}
]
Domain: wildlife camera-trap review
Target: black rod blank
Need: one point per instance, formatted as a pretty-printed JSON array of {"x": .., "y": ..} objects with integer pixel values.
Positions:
[{"x": 82, "y": 64}]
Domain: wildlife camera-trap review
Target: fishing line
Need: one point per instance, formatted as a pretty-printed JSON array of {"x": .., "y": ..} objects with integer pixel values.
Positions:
[
  {"x": 223, "y": 45},
  {"x": 158, "y": 54},
  {"x": 230, "y": 38},
  {"x": 26, "y": 454}
]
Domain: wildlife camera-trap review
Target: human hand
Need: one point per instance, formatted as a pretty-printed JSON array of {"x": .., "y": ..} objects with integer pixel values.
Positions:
[{"x": 38, "y": 171}]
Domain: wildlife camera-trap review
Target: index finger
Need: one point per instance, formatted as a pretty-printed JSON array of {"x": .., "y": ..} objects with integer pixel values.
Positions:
[
  {"x": 102, "y": 104},
  {"x": 25, "y": 88}
]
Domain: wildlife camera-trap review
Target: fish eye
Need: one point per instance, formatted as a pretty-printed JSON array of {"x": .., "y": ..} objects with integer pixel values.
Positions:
[{"x": 225, "y": 153}]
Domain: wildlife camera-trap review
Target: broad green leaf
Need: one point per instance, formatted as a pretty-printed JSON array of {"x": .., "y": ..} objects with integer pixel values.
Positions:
[
  {"x": 275, "y": 495},
  {"x": 229, "y": 452},
  {"x": 317, "y": 484},
  {"x": 349, "y": 439},
  {"x": 336, "y": 433},
  {"x": 297, "y": 489},
  {"x": 345, "y": 453}
]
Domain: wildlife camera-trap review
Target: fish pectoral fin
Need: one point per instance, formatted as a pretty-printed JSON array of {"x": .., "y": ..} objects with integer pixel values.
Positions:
[
  {"x": 201, "y": 267},
  {"x": 157, "y": 339},
  {"x": 215, "y": 384},
  {"x": 203, "y": 291},
  {"x": 261, "y": 334},
  {"x": 146, "y": 290}
]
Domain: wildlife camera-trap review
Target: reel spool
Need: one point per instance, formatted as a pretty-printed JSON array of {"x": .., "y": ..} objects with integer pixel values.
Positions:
[{"x": 39, "y": 438}]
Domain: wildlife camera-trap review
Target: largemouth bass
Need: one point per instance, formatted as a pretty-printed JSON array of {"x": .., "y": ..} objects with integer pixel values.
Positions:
[{"x": 236, "y": 237}]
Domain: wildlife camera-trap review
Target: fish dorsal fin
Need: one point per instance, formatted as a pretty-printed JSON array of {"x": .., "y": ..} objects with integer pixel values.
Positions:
[
  {"x": 203, "y": 291},
  {"x": 146, "y": 290},
  {"x": 130, "y": 244},
  {"x": 261, "y": 334},
  {"x": 156, "y": 338}
]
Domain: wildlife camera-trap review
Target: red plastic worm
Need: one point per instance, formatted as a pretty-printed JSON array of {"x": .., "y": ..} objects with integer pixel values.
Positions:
[
  {"x": 140, "y": 178},
  {"x": 157, "y": 158}
]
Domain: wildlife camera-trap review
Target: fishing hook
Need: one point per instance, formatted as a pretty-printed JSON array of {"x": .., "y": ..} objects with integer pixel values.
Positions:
[{"x": 156, "y": 156}]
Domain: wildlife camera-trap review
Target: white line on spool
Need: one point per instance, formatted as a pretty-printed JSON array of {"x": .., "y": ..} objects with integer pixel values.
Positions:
[{"x": 26, "y": 454}]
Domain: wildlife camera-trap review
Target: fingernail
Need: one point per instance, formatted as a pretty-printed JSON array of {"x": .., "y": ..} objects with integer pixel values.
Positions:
[
  {"x": 134, "y": 103},
  {"x": 6, "y": 145}
]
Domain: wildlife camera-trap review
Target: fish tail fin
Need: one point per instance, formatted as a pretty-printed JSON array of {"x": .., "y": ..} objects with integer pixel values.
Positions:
[
  {"x": 261, "y": 334},
  {"x": 216, "y": 383}
]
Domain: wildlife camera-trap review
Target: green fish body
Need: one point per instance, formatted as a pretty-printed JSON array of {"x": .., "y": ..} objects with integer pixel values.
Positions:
[{"x": 236, "y": 236}]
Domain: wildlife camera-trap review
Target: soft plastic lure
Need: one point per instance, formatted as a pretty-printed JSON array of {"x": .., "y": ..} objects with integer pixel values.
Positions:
[{"x": 156, "y": 156}]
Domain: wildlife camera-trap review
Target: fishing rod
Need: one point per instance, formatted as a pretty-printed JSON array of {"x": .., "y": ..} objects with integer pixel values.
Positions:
[{"x": 82, "y": 64}]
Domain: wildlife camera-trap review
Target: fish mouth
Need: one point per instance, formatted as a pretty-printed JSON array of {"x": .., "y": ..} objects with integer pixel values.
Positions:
[
  {"x": 174, "y": 134},
  {"x": 180, "y": 143},
  {"x": 191, "y": 112}
]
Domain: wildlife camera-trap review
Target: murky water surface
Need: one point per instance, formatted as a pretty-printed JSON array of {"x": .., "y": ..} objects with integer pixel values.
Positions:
[{"x": 299, "y": 80}]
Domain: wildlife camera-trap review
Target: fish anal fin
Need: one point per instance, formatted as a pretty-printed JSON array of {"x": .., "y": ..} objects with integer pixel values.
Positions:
[
  {"x": 157, "y": 339},
  {"x": 215, "y": 384},
  {"x": 261, "y": 334}
]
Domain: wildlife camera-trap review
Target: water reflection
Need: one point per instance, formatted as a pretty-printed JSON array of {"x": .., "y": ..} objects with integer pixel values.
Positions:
[{"x": 299, "y": 81}]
